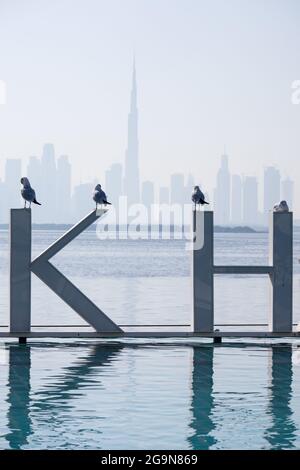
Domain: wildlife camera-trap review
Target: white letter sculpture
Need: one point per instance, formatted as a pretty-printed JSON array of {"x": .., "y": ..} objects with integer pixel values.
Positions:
[{"x": 21, "y": 268}]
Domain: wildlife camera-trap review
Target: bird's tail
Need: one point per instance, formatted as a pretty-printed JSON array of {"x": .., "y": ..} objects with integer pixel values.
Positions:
[
  {"x": 35, "y": 202},
  {"x": 109, "y": 203},
  {"x": 204, "y": 202}
]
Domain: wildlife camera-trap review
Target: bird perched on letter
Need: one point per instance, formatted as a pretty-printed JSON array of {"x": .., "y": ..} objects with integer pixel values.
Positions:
[
  {"x": 198, "y": 196},
  {"x": 99, "y": 196},
  {"x": 281, "y": 207},
  {"x": 27, "y": 192}
]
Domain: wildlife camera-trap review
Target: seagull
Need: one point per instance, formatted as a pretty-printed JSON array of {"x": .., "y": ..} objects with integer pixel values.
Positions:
[
  {"x": 198, "y": 196},
  {"x": 28, "y": 193},
  {"x": 281, "y": 207},
  {"x": 99, "y": 196}
]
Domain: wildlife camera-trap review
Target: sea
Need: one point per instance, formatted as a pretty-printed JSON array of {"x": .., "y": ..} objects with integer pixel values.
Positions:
[{"x": 147, "y": 393}]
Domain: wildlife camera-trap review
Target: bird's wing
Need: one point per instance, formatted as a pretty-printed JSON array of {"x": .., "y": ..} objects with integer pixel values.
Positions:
[
  {"x": 27, "y": 194},
  {"x": 96, "y": 196},
  {"x": 103, "y": 196},
  {"x": 201, "y": 195}
]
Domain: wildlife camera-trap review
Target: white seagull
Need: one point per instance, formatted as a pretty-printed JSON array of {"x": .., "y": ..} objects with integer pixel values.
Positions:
[
  {"x": 198, "y": 196},
  {"x": 281, "y": 207},
  {"x": 27, "y": 192},
  {"x": 99, "y": 196}
]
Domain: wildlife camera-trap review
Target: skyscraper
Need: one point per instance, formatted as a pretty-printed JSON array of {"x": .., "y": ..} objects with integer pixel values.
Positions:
[
  {"x": 287, "y": 191},
  {"x": 189, "y": 189},
  {"x": 222, "y": 193},
  {"x": 113, "y": 183},
  {"x": 12, "y": 186},
  {"x": 250, "y": 200},
  {"x": 236, "y": 199},
  {"x": 164, "y": 195},
  {"x": 148, "y": 194},
  {"x": 132, "y": 178},
  {"x": 271, "y": 189},
  {"x": 82, "y": 202},
  {"x": 48, "y": 188},
  {"x": 34, "y": 172},
  {"x": 177, "y": 188},
  {"x": 63, "y": 190}
]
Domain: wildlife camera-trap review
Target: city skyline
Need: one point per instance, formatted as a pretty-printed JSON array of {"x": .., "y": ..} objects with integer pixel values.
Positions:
[
  {"x": 236, "y": 198},
  {"x": 217, "y": 77}
]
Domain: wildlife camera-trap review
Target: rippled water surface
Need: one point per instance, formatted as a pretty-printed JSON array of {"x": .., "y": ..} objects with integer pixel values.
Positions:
[{"x": 149, "y": 394}]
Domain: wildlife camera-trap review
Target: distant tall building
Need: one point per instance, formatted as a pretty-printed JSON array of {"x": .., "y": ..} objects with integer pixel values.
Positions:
[
  {"x": 177, "y": 188},
  {"x": 164, "y": 195},
  {"x": 82, "y": 202},
  {"x": 287, "y": 191},
  {"x": 12, "y": 186},
  {"x": 132, "y": 178},
  {"x": 48, "y": 188},
  {"x": 34, "y": 171},
  {"x": 63, "y": 188},
  {"x": 113, "y": 183},
  {"x": 222, "y": 193},
  {"x": 250, "y": 201},
  {"x": 236, "y": 199},
  {"x": 148, "y": 194},
  {"x": 271, "y": 189},
  {"x": 189, "y": 188}
]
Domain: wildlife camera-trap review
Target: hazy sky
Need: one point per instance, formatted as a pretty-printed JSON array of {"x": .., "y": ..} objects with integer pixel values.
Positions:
[{"x": 209, "y": 73}]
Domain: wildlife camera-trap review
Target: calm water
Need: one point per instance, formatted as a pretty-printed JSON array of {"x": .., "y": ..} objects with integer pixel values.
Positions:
[{"x": 149, "y": 394}]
